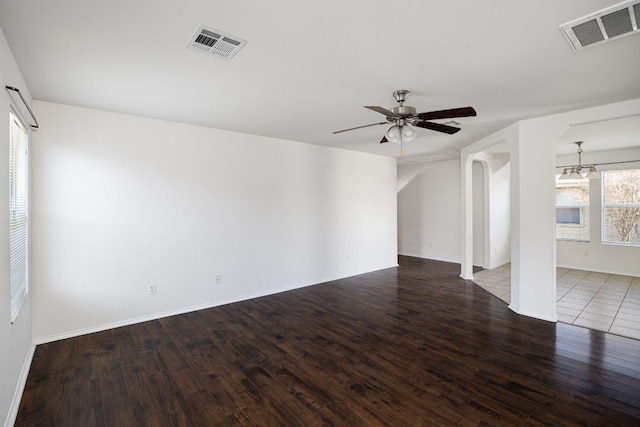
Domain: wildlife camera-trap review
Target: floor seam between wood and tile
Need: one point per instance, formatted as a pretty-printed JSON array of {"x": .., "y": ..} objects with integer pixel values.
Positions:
[{"x": 592, "y": 311}]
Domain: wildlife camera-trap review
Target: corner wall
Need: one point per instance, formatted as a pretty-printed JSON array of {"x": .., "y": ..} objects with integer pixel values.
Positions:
[
  {"x": 429, "y": 210},
  {"x": 429, "y": 213},
  {"x": 16, "y": 350},
  {"x": 122, "y": 202},
  {"x": 499, "y": 211}
]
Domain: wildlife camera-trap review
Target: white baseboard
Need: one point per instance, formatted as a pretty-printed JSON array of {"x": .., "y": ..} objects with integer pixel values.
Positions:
[
  {"x": 183, "y": 310},
  {"x": 600, "y": 270},
  {"x": 154, "y": 316},
  {"x": 535, "y": 315},
  {"x": 22, "y": 381},
  {"x": 453, "y": 261}
]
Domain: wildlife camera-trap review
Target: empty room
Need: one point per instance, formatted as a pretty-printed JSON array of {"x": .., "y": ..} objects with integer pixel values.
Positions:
[{"x": 343, "y": 213}]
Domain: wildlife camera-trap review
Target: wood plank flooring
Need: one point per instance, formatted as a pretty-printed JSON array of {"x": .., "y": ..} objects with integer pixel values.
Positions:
[{"x": 408, "y": 346}]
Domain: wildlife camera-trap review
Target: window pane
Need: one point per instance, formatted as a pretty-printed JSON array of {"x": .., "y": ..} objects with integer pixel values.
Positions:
[
  {"x": 621, "y": 206},
  {"x": 572, "y": 210}
]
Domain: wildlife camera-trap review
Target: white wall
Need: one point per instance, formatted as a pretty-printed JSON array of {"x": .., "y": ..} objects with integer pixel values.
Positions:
[
  {"x": 429, "y": 213},
  {"x": 491, "y": 208},
  {"x": 16, "y": 349},
  {"x": 499, "y": 211},
  {"x": 594, "y": 255},
  {"x": 478, "y": 214},
  {"x": 123, "y": 202},
  {"x": 406, "y": 174}
]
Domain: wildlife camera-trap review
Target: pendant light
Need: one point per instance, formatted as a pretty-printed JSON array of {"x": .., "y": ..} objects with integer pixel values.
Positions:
[{"x": 577, "y": 171}]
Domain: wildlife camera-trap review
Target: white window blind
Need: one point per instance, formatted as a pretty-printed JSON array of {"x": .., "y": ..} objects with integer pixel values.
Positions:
[{"x": 18, "y": 214}]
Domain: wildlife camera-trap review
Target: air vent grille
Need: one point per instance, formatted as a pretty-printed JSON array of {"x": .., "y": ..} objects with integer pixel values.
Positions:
[
  {"x": 617, "y": 23},
  {"x": 214, "y": 41},
  {"x": 588, "y": 33},
  {"x": 607, "y": 24}
]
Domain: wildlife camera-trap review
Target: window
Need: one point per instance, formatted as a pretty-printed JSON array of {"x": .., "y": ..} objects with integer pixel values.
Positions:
[
  {"x": 18, "y": 214},
  {"x": 568, "y": 215},
  {"x": 572, "y": 210},
  {"x": 621, "y": 207}
]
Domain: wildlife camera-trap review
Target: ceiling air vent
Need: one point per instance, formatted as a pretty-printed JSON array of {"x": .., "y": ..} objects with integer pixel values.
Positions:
[
  {"x": 214, "y": 41},
  {"x": 619, "y": 20}
]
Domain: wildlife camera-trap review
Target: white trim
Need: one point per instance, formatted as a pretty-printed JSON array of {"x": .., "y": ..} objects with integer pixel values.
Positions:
[
  {"x": 597, "y": 269},
  {"x": 535, "y": 315},
  {"x": 156, "y": 316},
  {"x": 457, "y": 261},
  {"x": 22, "y": 381}
]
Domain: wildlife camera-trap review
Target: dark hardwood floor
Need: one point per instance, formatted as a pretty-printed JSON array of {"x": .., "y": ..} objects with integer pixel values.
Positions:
[{"x": 407, "y": 346}]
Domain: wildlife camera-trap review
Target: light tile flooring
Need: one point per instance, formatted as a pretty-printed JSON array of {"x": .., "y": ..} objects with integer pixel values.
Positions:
[{"x": 601, "y": 301}]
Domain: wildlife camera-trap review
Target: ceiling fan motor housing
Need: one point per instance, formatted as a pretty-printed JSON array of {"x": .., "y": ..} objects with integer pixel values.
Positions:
[{"x": 404, "y": 111}]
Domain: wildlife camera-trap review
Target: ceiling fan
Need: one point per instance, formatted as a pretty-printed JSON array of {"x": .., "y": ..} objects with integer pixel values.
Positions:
[{"x": 404, "y": 117}]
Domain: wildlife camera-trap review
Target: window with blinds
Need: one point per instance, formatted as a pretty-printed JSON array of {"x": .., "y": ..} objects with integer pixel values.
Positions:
[
  {"x": 572, "y": 210},
  {"x": 18, "y": 214}
]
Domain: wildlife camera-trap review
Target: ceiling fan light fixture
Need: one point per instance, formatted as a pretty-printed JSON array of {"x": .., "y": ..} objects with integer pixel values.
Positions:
[
  {"x": 394, "y": 134},
  {"x": 408, "y": 133},
  {"x": 401, "y": 133}
]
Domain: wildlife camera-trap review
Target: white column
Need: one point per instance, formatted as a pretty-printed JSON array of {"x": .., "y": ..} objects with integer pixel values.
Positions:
[
  {"x": 533, "y": 250},
  {"x": 466, "y": 183}
]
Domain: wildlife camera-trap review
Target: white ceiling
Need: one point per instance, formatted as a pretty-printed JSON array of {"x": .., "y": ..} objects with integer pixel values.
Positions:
[
  {"x": 623, "y": 132},
  {"x": 309, "y": 68}
]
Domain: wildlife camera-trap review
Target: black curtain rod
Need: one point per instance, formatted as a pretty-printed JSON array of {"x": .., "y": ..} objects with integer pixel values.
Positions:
[{"x": 33, "y": 117}]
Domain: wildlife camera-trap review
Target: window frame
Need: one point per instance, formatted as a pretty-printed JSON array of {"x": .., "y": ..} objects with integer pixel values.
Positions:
[{"x": 604, "y": 206}]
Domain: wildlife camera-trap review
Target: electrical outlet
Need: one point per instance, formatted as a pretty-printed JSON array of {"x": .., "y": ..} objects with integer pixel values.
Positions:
[
  {"x": 152, "y": 289},
  {"x": 218, "y": 279}
]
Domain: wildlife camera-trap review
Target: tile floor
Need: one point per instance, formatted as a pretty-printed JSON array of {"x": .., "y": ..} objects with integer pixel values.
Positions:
[{"x": 601, "y": 301}]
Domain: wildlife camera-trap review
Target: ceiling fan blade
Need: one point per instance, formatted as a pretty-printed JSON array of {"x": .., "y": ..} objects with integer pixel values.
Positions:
[
  {"x": 360, "y": 127},
  {"x": 437, "y": 127},
  {"x": 447, "y": 114},
  {"x": 381, "y": 110},
  {"x": 383, "y": 140}
]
